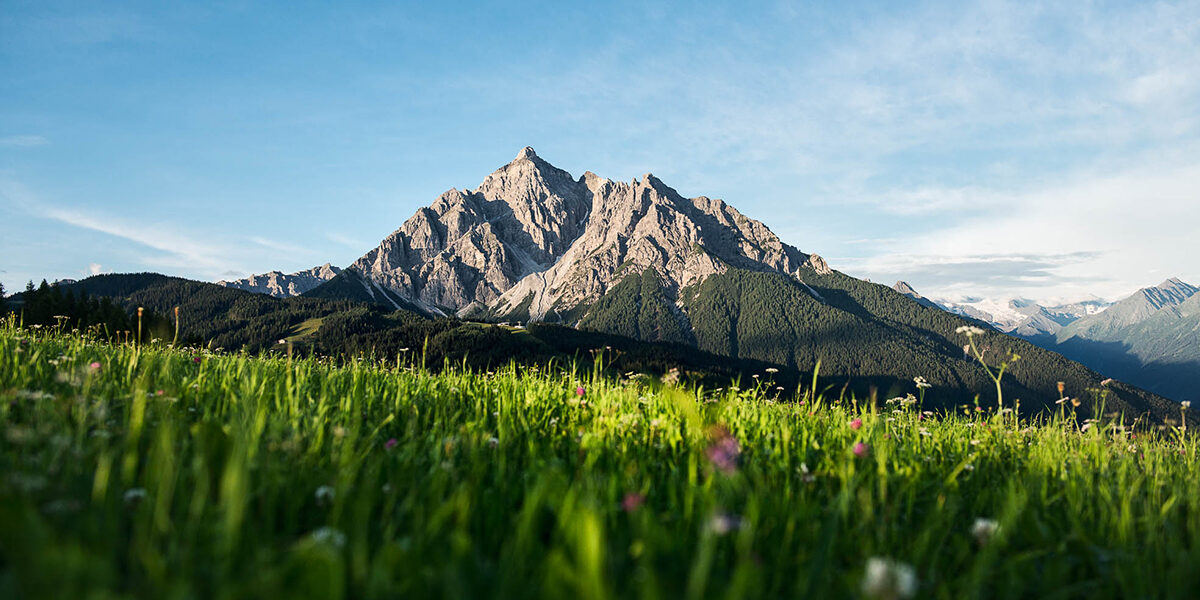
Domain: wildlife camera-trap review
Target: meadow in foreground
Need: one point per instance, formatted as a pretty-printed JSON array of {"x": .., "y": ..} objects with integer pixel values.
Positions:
[{"x": 159, "y": 473}]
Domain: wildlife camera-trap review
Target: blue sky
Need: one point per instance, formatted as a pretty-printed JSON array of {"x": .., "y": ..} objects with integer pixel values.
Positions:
[{"x": 1036, "y": 149}]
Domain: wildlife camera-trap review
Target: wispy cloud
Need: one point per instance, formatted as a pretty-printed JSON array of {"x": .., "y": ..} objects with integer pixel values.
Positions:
[
  {"x": 23, "y": 141},
  {"x": 282, "y": 246},
  {"x": 1094, "y": 233},
  {"x": 178, "y": 249},
  {"x": 347, "y": 241}
]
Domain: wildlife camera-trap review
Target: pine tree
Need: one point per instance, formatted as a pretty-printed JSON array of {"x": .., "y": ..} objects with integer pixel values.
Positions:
[{"x": 3, "y": 301}]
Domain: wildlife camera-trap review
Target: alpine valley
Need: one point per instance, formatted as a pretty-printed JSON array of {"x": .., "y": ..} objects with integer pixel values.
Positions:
[
  {"x": 535, "y": 265},
  {"x": 534, "y": 244}
]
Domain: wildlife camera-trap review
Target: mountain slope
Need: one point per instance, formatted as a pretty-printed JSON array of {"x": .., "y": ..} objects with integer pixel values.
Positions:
[
  {"x": 1151, "y": 339},
  {"x": 280, "y": 285},
  {"x": 1142, "y": 305}
]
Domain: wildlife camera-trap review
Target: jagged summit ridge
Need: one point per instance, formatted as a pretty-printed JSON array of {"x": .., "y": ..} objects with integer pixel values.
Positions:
[
  {"x": 531, "y": 234},
  {"x": 280, "y": 285}
]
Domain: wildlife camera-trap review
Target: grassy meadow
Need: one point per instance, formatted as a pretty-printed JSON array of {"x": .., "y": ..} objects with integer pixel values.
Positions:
[{"x": 152, "y": 472}]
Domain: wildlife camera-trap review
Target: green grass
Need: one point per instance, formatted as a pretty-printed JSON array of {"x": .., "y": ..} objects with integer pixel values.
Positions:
[
  {"x": 173, "y": 474},
  {"x": 305, "y": 330}
]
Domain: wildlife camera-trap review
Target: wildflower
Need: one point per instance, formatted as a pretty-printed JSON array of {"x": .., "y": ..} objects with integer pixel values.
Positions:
[
  {"x": 771, "y": 370},
  {"x": 860, "y": 449},
  {"x": 196, "y": 359},
  {"x": 921, "y": 383},
  {"x": 330, "y": 536},
  {"x": 723, "y": 524},
  {"x": 984, "y": 530},
  {"x": 579, "y": 391},
  {"x": 493, "y": 442},
  {"x": 887, "y": 579},
  {"x": 324, "y": 495},
  {"x": 805, "y": 476},
  {"x": 632, "y": 501},
  {"x": 969, "y": 330},
  {"x": 968, "y": 467},
  {"x": 724, "y": 451},
  {"x": 159, "y": 393},
  {"x": 974, "y": 442},
  {"x": 856, "y": 424},
  {"x": 1186, "y": 404},
  {"x": 1106, "y": 381},
  {"x": 95, "y": 366},
  {"x": 924, "y": 432},
  {"x": 1061, "y": 386},
  {"x": 391, "y": 443},
  {"x": 134, "y": 497}
]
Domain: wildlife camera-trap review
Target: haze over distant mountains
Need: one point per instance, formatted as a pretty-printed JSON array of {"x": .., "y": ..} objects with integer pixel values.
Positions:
[
  {"x": 533, "y": 243},
  {"x": 1151, "y": 338},
  {"x": 1019, "y": 316}
]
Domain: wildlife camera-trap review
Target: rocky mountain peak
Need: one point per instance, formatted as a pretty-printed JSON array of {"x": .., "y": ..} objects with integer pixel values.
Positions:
[
  {"x": 280, "y": 285},
  {"x": 532, "y": 230}
]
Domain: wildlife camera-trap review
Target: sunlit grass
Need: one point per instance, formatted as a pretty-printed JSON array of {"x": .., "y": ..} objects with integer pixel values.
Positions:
[{"x": 162, "y": 473}]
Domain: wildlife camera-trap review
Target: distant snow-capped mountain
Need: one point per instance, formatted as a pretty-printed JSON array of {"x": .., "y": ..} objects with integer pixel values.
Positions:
[{"x": 1019, "y": 316}]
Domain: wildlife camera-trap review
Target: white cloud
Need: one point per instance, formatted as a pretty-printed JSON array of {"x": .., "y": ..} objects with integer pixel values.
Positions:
[
  {"x": 1102, "y": 234},
  {"x": 178, "y": 250},
  {"x": 23, "y": 141},
  {"x": 95, "y": 269}
]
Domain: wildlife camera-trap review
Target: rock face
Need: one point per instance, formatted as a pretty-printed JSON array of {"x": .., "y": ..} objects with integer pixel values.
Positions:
[
  {"x": 533, "y": 241},
  {"x": 470, "y": 247},
  {"x": 280, "y": 285},
  {"x": 904, "y": 288}
]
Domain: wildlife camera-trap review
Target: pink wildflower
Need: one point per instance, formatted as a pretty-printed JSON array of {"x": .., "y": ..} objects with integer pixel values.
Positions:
[
  {"x": 579, "y": 391},
  {"x": 95, "y": 366},
  {"x": 861, "y": 449},
  {"x": 632, "y": 501},
  {"x": 724, "y": 451},
  {"x": 856, "y": 424},
  {"x": 391, "y": 443}
]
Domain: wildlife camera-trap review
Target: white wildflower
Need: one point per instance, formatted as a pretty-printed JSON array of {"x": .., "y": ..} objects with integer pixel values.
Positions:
[
  {"x": 723, "y": 524},
  {"x": 324, "y": 495},
  {"x": 134, "y": 497},
  {"x": 984, "y": 530},
  {"x": 330, "y": 536},
  {"x": 887, "y": 579},
  {"x": 969, "y": 330}
]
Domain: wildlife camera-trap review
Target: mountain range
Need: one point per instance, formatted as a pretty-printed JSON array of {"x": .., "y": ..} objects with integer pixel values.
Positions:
[
  {"x": 280, "y": 285},
  {"x": 1018, "y": 316},
  {"x": 533, "y": 244},
  {"x": 1151, "y": 338}
]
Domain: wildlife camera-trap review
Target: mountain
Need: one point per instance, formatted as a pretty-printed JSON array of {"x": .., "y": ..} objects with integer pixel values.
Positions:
[
  {"x": 1151, "y": 339},
  {"x": 1143, "y": 304},
  {"x": 469, "y": 247},
  {"x": 280, "y": 285},
  {"x": 1019, "y": 316},
  {"x": 638, "y": 259},
  {"x": 352, "y": 285},
  {"x": 904, "y": 288}
]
